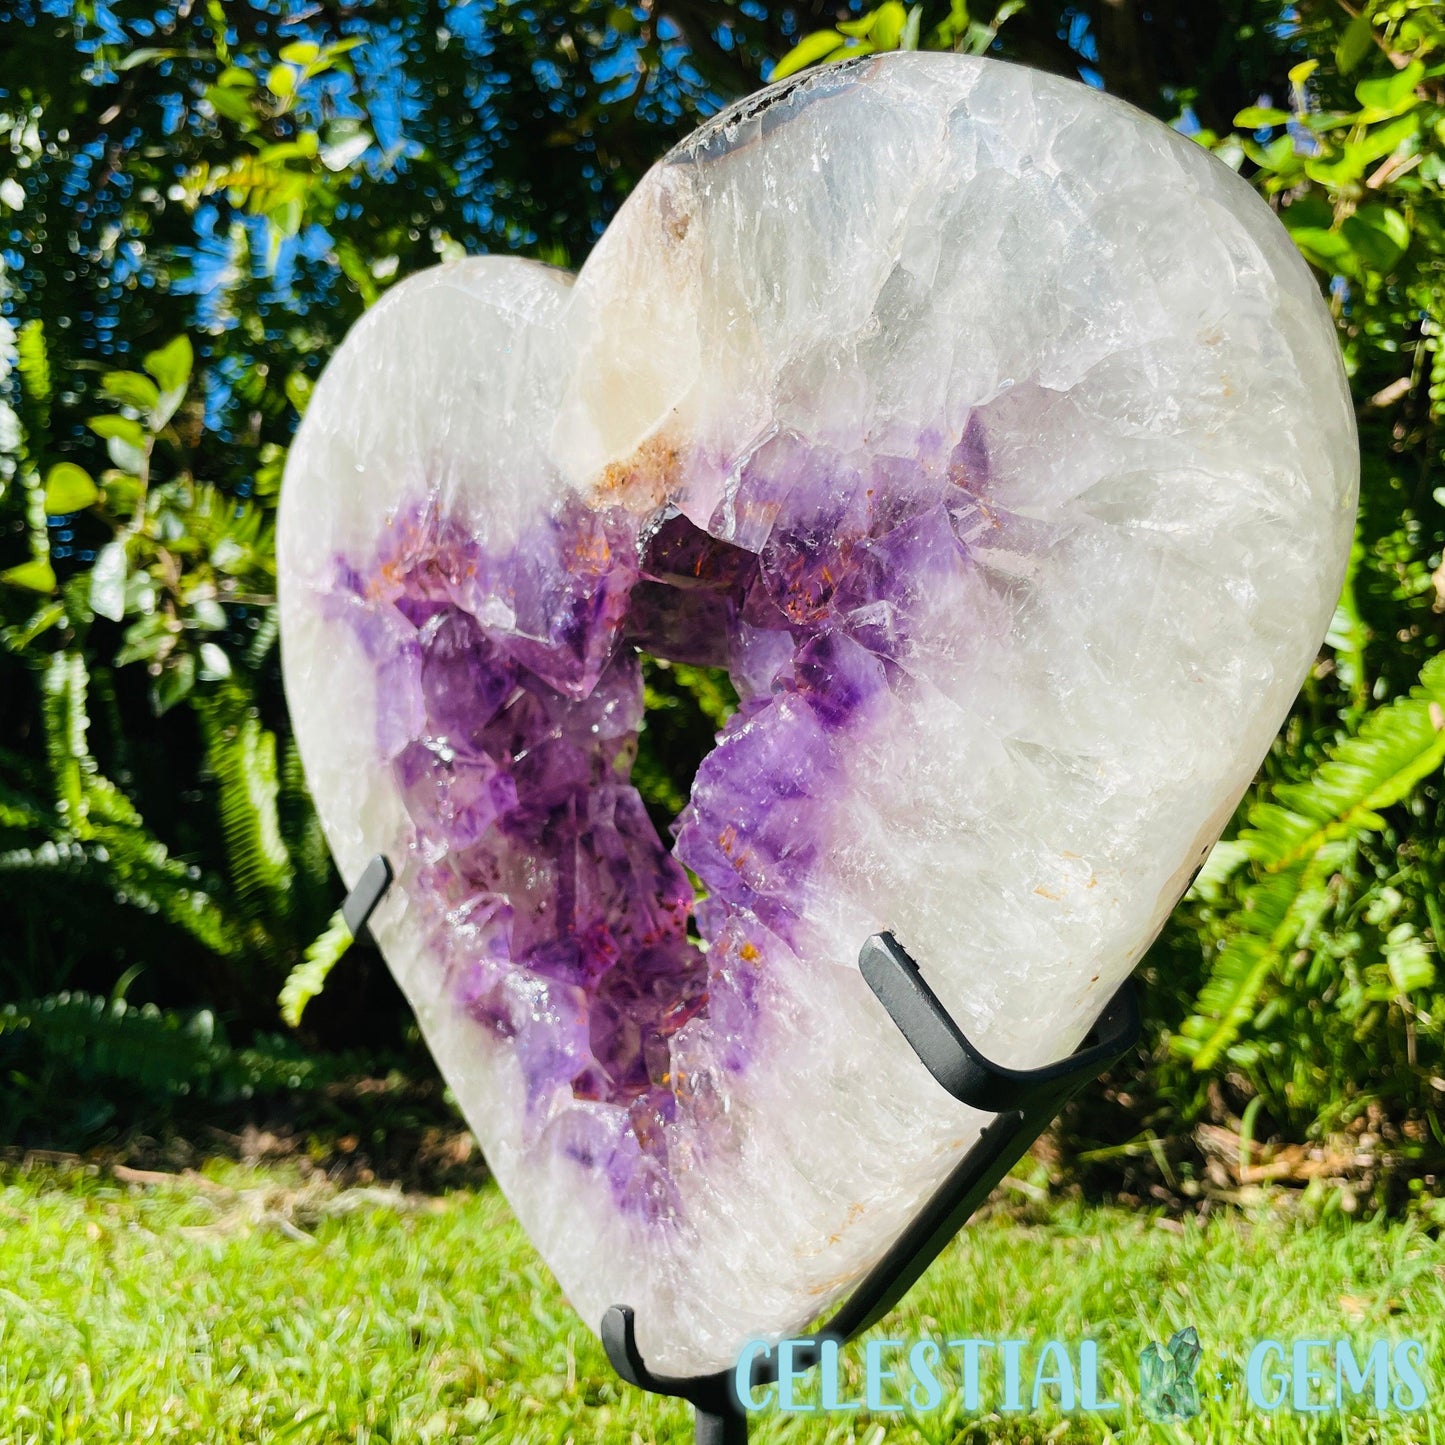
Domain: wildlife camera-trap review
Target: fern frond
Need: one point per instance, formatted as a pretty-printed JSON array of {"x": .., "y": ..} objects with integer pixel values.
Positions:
[
  {"x": 1294, "y": 844},
  {"x": 19, "y": 810},
  {"x": 106, "y": 803},
  {"x": 47, "y": 857},
  {"x": 241, "y": 755},
  {"x": 308, "y": 978},
  {"x": 1397, "y": 747},
  {"x": 265, "y": 638},
  {"x": 63, "y": 694},
  {"x": 1277, "y": 915},
  {"x": 310, "y": 856},
  {"x": 93, "y": 1038},
  {"x": 142, "y": 873},
  {"x": 32, "y": 361}
]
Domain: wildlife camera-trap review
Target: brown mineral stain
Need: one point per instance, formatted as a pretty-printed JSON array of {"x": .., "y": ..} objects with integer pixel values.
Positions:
[
  {"x": 644, "y": 481},
  {"x": 678, "y": 223},
  {"x": 855, "y": 1212}
]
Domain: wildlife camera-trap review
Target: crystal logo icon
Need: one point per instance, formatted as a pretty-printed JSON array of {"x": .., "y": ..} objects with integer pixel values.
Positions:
[
  {"x": 995, "y": 440},
  {"x": 1167, "y": 1389}
]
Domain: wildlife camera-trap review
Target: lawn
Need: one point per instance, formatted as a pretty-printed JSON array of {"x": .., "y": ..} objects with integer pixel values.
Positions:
[{"x": 257, "y": 1305}]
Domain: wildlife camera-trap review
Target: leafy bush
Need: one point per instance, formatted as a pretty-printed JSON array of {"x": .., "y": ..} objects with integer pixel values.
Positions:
[
  {"x": 73, "y": 1062},
  {"x": 174, "y": 553}
]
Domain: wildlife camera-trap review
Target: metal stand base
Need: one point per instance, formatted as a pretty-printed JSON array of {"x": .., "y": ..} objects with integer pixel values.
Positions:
[
  {"x": 730, "y": 1428},
  {"x": 1024, "y": 1102}
]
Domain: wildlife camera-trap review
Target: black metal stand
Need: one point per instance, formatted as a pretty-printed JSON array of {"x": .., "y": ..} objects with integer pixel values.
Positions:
[
  {"x": 1023, "y": 1101},
  {"x": 361, "y": 902}
]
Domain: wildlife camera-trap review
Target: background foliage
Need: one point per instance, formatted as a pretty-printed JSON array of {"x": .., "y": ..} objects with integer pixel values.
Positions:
[{"x": 197, "y": 200}]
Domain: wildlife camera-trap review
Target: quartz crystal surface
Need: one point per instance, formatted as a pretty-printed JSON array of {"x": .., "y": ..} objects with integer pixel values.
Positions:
[{"x": 995, "y": 440}]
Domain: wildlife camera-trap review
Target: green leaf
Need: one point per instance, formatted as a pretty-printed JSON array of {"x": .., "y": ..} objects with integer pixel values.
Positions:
[
  {"x": 298, "y": 389},
  {"x": 1311, "y": 211},
  {"x": 1408, "y": 958},
  {"x": 65, "y": 691},
  {"x": 122, "y": 490},
  {"x": 208, "y": 614},
  {"x": 147, "y": 55},
  {"x": 145, "y": 639},
  {"x": 1355, "y": 44},
  {"x": 911, "y": 31},
  {"x": 233, "y": 102},
  {"x": 304, "y": 147},
  {"x": 1387, "y": 221},
  {"x": 126, "y": 455},
  {"x": 171, "y": 364},
  {"x": 215, "y": 665},
  {"x": 1224, "y": 861},
  {"x": 151, "y": 879},
  {"x": 1378, "y": 234},
  {"x": 300, "y": 52},
  {"x": 69, "y": 488},
  {"x": 1275, "y": 915},
  {"x": 108, "y": 579},
  {"x": 889, "y": 21},
  {"x": 1392, "y": 94},
  {"x": 51, "y": 614},
  {"x": 177, "y": 678},
  {"x": 1385, "y": 139},
  {"x": 130, "y": 388},
  {"x": 808, "y": 51},
  {"x": 281, "y": 81},
  {"x": 126, "y": 428},
  {"x": 285, "y": 221},
  {"x": 1278, "y": 155},
  {"x": 1253, "y": 117},
  {"x": 1327, "y": 249},
  {"x": 1297, "y": 843},
  {"x": 356, "y": 270},
  {"x": 36, "y": 576},
  {"x": 1336, "y": 171}
]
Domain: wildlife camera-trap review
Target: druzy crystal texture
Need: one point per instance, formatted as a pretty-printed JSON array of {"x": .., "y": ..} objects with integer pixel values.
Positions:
[{"x": 994, "y": 438}]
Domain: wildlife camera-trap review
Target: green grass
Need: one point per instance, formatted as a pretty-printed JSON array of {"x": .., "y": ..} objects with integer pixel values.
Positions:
[{"x": 253, "y": 1306}]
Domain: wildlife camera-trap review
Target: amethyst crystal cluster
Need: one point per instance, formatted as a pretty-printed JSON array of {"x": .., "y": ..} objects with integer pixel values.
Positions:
[
  {"x": 561, "y": 918},
  {"x": 994, "y": 439}
]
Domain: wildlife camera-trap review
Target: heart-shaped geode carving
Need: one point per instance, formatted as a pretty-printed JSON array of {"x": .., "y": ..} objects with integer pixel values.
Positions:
[{"x": 995, "y": 439}]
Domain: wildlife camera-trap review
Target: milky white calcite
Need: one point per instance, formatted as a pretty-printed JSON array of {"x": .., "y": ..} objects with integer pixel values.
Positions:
[{"x": 995, "y": 439}]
